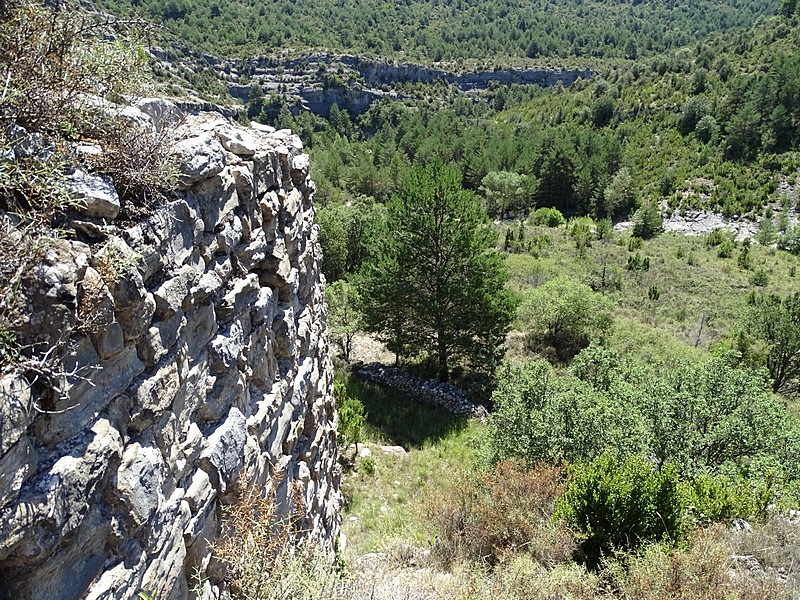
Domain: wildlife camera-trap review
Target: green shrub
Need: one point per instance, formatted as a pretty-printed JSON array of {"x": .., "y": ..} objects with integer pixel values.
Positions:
[
  {"x": 726, "y": 249},
  {"x": 541, "y": 417},
  {"x": 604, "y": 228},
  {"x": 647, "y": 221},
  {"x": 760, "y": 278},
  {"x": 368, "y": 465},
  {"x": 618, "y": 505},
  {"x": 790, "y": 240},
  {"x": 716, "y": 499},
  {"x": 351, "y": 417},
  {"x": 715, "y": 237},
  {"x": 564, "y": 315},
  {"x": 637, "y": 263},
  {"x": 745, "y": 260},
  {"x": 703, "y": 417},
  {"x": 548, "y": 217}
]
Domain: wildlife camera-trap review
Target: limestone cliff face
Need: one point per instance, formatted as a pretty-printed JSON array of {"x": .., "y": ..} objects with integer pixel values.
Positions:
[{"x": 193, "y": 355}]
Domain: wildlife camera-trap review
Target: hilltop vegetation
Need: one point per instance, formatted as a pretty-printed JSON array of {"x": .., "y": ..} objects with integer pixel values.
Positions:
[{"x": 430, "y": 30}]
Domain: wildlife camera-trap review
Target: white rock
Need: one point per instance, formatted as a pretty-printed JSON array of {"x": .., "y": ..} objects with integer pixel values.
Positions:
[
  {"x": 262, "y": 128},
  {"x": 162, "y": 112},
  {"x": 136, "y": 117},
  {"x": 97, "y": 194},
  {"x": 237, "y": 141},
  {"x": 200, "y": 157},
  {"x": 224, "y": 456}
]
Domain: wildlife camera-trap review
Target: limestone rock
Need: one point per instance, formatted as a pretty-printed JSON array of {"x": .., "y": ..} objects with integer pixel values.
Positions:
[
  {"x": 50, "y": 289},
  {"x": 200, "y": 157},
  {"x": 135, "y": 116},
  {"x": 188, "y": 351},
  {"x": 244, "y": 294},
  {"x": 171, "y": 294},
  {"x": 58, "y": 500},
  {"x": 223, "y": 457},
  {"x": 139, "y": 481},
  {"x": 89, "y": 391},
  {"x": 97, "y": 194},
  {"x": 16, "y": 467},
  {"x": 237, "y": 141},
  {"x": 217, "y": 198},
  {"x": 16, "y": 410},
  {"x": 163, "y": 113}
]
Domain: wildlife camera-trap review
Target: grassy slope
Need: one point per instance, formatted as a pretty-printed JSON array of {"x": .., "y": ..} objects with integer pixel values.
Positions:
[
  {"x": 388, "y": 509},
  {"x": 694, "y": 283},
  {"x": 389, "y": 503}
]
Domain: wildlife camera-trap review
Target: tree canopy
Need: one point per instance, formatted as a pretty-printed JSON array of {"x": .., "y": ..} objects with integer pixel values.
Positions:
[{"x": 434, "y": 286}]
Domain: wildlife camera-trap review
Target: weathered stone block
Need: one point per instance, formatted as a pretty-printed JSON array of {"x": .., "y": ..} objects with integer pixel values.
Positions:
[
  {"x": 285, "y": 331},
  {"x": 160, "y": 338},
  {"x": 59, "y": 499},
  {"x": 16, "y": 410},
  {"x": 171, "y": 295},
  {"x": 168, "y": 237},
  {"x": 88, "y": 393},
  {"x": 109, "y": 341},
  {"x": 199, "y": 158},
  {"x": 227, "y": 390},
  {"x": 70, "y": 571},
  {"x": 230, "y": 234},
  {"x": 17, "y": 465},
  {"x": 97, "y": 194},
  {"x": 217, "y": 198},
  {"x": 223, "y": 459},
  {"x": 238, "y": 141},
  {"x": 165, "y": 571},
  {"x": 243, "y": 295},
  {"x": 154, "y": 394},
  {"x": 139, "y": 483}
]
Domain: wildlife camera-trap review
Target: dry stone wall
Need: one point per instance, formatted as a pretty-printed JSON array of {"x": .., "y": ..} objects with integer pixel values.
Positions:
[{"x": 178, "y": 358}]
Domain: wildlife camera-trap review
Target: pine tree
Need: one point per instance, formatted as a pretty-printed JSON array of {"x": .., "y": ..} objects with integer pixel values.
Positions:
[{"x": 435, "y": 286}]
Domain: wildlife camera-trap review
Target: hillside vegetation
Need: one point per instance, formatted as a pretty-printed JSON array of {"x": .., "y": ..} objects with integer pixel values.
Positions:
[
  {"x": 430, "y": 30},
  {"x": 643, "y": 439}
]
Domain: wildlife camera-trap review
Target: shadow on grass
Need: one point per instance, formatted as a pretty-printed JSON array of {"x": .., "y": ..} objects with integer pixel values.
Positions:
[{"x": 396, "y": 419}]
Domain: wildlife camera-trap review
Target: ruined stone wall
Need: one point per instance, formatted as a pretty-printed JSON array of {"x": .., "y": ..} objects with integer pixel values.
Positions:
[{"x": 188, "y": 353}]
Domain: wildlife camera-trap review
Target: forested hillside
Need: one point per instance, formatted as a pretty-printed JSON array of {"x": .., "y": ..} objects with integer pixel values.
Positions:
[
  {"x": 434, "y": 30},
  {"x": 711, "y": 126}
]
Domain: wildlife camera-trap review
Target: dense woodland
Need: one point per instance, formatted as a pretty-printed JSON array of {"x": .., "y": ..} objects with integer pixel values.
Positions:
[{"x": 430, "y": 30}]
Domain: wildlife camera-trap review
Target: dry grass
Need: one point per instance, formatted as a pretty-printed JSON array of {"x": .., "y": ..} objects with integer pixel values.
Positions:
[
  {"x": 706, "y": 569},
  {"x": 268, "y": 554},
  {"x": 505, "y": 512}
]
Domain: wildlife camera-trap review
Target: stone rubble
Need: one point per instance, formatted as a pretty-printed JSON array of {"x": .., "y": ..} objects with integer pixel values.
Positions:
[{"x": 428, "y": 391}]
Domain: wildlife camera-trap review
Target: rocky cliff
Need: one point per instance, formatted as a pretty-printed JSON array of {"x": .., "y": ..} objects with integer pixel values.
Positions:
[
  {"x": 179, "y": 356},
  {"x": 358, "y": 81}
]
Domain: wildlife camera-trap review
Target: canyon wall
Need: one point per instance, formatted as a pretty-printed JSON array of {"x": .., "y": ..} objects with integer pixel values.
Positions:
[{"x": 179, "y": 355}]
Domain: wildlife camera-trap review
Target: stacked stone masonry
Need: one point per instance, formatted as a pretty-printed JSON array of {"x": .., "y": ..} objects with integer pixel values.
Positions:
[{"x": 192, "y": 356}]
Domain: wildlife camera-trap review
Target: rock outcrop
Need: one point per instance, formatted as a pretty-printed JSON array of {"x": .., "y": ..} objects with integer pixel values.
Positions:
[{"x": 178, "y": 358}]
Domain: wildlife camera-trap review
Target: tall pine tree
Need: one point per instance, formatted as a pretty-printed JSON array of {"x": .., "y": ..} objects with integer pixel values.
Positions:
[{"x": 435, "y": 285}]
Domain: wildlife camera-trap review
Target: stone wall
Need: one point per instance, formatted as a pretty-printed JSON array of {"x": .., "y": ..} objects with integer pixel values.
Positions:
[
  {"x": 179, "y": 356},
  {"x": 427, "y": 391}
]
